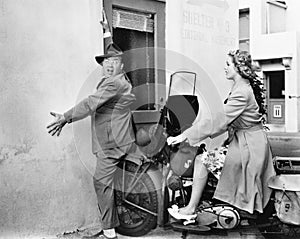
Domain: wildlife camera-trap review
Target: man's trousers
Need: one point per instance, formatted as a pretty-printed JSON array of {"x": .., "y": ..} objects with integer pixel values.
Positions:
[{"x": 106, "y": 166}]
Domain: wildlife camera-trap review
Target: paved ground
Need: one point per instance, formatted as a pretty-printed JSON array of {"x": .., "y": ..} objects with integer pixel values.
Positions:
[
  {"x": 245, "y": 233},
  {"x": 162, "y": 233},
  {"x": 170, "y": 234}
]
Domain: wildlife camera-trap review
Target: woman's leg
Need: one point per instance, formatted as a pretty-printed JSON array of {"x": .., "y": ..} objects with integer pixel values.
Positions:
[{"x": 199, "y": 183}]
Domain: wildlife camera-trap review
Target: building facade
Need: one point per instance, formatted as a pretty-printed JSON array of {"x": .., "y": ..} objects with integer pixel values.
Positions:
[
  {"x": 47, "y": 64},
  {"x": 270, "y": 31}
]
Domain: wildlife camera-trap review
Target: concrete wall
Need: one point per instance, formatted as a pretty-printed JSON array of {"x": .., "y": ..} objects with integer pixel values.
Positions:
[
  {"x": 202, "y": 32},
  {"x": 199, "y": 34},
  {"x": 47, "y": 63},
  {"x": 298, "y": 79}
]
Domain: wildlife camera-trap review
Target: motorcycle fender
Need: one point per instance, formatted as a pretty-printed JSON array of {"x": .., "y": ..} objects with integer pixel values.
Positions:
[
  {"x": 153, "y": 172},
  {"x": 157, "y": 178}
]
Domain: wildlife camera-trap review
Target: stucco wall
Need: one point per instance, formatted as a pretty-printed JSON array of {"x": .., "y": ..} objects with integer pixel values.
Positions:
[
  {"x": 47, "y": 63},
  {"x": 297, "y": 57},
  {"x": 199, "y": 35}
]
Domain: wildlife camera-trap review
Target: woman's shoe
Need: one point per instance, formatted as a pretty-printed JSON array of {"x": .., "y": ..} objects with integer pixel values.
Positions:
[{"x": 174, "y": 212}]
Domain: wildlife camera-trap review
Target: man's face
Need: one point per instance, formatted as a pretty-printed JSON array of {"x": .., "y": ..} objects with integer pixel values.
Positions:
[{"x": 112, "y": 66}]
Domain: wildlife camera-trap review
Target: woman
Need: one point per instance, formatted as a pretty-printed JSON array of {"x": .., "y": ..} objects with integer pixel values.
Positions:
[{"x": 248, "y": 164}]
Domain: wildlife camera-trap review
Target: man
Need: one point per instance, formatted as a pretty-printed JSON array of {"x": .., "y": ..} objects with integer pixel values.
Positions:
[{"x": 112, "y": 131}]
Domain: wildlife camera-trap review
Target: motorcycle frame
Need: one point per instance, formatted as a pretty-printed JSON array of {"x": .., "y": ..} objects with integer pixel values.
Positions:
[
  {"x": 149, "y": 167},
  {"x": 155, "y": 168}
]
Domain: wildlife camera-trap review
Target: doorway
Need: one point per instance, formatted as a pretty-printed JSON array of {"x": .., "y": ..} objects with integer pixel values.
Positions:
[
  {"x": 135, "y": 30},
  {"x": 275, "y": 96},
  {"x": 138, "y": 28}
]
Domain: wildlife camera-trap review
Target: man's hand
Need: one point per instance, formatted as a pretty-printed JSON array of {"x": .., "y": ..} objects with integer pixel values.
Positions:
[
  {"x": 104, "y": 22},
  {"x": 56, "y": 127},
  {"x": 176, "y": 140}
]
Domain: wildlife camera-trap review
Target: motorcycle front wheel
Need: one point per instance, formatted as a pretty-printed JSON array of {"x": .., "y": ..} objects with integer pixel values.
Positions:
[{"x": 136, "y": 201}]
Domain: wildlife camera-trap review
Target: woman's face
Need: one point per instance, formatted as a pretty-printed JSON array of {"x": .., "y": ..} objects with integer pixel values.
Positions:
[{"x": 230, "y": 69}]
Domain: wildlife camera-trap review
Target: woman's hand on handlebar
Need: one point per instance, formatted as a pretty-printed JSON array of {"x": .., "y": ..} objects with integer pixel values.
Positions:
[{"x": 176, "y": 140}]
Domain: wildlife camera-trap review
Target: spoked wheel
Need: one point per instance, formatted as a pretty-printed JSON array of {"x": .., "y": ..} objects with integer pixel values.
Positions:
[{"x": 136, "y": 201}]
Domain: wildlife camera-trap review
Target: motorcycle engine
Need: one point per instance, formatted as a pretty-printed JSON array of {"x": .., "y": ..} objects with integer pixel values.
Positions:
[{"x": 220, "y": 216}]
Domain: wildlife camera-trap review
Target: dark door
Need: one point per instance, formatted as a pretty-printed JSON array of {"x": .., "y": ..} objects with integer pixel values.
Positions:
[
  {"x": 139, "y": 30},
  {"x": 275, "y": 85}
]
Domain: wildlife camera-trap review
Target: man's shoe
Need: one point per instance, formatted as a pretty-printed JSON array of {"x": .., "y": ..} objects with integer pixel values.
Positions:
[
  {"x": 94, "y": 236},
  {"x": 102, "y": 236}
]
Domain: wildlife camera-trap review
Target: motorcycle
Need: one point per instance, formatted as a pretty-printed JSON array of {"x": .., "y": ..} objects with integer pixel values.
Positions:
[{"x": 146, "y": 187}]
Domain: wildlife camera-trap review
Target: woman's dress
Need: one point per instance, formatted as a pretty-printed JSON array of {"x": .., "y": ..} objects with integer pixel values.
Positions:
[{"x": 248, "y": 164}]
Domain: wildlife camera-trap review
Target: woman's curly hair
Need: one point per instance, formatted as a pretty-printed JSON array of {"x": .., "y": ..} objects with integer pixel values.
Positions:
[{"x": 243, "y": 62}]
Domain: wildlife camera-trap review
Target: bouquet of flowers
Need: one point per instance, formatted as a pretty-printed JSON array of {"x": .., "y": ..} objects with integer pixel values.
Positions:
[{"x": 214, "y": 159}]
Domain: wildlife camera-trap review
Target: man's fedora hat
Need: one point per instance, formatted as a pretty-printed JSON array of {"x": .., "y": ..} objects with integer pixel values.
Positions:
[{"x": 111, "y": 50}]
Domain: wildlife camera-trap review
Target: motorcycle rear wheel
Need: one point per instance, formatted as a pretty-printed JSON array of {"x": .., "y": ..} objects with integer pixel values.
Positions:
[{"x": 134, "y": 221}]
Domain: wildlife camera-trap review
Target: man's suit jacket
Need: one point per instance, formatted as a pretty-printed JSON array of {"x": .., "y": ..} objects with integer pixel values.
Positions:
[{"x": 110, "y": 113}]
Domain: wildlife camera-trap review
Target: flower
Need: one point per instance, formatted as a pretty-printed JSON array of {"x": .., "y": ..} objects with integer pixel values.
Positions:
[{"x": 214, "y": 160}]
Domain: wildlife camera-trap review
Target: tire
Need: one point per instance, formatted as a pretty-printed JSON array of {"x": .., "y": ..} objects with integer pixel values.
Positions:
[{"x": 133, "y": 221}]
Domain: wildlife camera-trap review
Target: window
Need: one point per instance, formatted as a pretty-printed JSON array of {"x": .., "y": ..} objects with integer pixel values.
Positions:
[
  {"x": 244, "y": 32},
  {"x": 276, "y": 19},
  {"x": 276, "y": 84}
]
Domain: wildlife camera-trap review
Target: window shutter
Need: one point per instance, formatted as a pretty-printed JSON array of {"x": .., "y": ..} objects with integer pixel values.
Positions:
[{"x": 133, "y": 20}]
